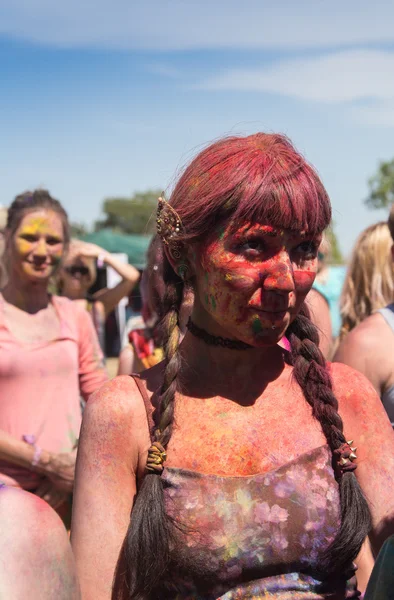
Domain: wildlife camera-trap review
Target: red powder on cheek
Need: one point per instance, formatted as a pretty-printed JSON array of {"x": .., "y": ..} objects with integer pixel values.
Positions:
[{"x": 304, "y": 280}]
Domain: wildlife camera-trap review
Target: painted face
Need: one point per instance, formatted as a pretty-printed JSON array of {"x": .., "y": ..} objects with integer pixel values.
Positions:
[
  {"x": 38, "y": 244},
  {"x": 250, "y": 284},
  {"x": 76, "y": 277}
]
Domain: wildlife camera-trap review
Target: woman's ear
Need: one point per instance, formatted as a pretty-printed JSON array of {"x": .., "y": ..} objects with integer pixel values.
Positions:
[{"x": 179, "y": 257}]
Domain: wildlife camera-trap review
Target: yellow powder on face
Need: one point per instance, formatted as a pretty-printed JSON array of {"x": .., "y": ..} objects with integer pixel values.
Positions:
[
  {"x": 38, "y": 227},
  {"x": 22, "y": 246}
]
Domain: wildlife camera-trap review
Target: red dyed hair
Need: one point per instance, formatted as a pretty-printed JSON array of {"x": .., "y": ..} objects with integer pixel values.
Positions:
[{"x": 260, "y": 178}]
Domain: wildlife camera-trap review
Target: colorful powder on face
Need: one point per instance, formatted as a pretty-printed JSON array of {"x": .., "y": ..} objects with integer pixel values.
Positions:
[
  {"x": 213, "y": 302},
  {"x": 256, "y": 325},
  {"x": 206, "y": 299}
]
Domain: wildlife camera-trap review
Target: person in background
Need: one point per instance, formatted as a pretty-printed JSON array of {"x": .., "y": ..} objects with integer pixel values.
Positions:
[
  {"x": 369, "y": 282},
  {"x": 37, "y": 561},
  {"x": 321, "y": 318},
  {"x": 49, "y": 355},
  {"x": 78, "y": 274},
  {"x": 381, "y": 583},
  {"x": 329, "y": 281},
  {"x": 369, "y": 346},
  {"x": 228, "y": 470},
  {"x": 143, "y": 345}
]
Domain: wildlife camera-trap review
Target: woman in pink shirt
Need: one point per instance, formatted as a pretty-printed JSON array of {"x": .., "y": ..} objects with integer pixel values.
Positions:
[{"x": 49, "y": 355}]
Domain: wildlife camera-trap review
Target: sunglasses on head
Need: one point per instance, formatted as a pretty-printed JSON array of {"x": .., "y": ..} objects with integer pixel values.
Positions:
[{"x": 76, "y": 269}]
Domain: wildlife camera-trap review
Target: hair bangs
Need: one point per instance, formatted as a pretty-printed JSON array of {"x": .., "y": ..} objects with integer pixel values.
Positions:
[
  {"x": 260, "y": 178},
  {"x": 295, "y": 200}
]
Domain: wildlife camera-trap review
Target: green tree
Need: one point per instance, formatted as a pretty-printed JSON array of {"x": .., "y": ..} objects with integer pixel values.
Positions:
[
  {"x": 130, "y": 215},
  {"x": 381, "y": 186},
  {"x": 78, "y": 230}
]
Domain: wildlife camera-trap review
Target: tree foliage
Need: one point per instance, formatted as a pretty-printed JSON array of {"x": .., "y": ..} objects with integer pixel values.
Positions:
[
  {"x": 78, "y": 230},
  {"x": 381, "y": 186},
  {"x": 130, "y": 215}
]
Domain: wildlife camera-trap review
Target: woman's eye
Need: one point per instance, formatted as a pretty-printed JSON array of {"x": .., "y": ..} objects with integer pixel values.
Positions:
[
  {"x": 253, "y": 246},
  {"x": 308, "y": 249},
  {"x": 52, "y": 241},
  {"x": 29, "y": 237}
]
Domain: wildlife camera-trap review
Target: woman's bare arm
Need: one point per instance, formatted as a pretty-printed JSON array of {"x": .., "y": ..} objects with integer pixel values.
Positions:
[{"x": 114, "y": 435}]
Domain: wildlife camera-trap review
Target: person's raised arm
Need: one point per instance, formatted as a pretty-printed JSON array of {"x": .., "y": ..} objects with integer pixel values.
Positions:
[
  {"x": 114, "y": 434},
  {"x": 129, "y": 274}
]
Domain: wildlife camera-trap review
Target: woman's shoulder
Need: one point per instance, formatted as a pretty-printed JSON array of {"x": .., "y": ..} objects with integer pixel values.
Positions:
[
  {"x": 72, "y": 311},
  {"x": 121, "y": 398},
  {"x": 117, "y": 418},
  {"x": 356, "y": 395},
  {"x": 67, "y": 306},
  {"x": 346, "y": 380}
]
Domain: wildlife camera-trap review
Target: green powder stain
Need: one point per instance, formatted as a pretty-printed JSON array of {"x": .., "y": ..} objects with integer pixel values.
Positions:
[
  {"x": 213, "y": 302},
  {"x": 206, "y": 277},
  {"x": 206, "y": 299},
  {"x": 256, "y": 325},
  {"x": 221, "y": 233}
]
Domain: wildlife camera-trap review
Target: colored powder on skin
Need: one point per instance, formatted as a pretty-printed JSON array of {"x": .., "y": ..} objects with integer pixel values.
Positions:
[
  {"x": 213, "y": 302},
  {"x": 206, "y": 299},
  {"x": 228, "y": 277},
  {"x": 256, "y": 325},
  {"x": 56, "y": 258}
]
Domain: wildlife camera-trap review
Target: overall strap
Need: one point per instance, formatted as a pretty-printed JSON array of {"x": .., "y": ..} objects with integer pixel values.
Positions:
[
  {"x": 388, "y": 315},
  {"x": 146, "y": 399}
]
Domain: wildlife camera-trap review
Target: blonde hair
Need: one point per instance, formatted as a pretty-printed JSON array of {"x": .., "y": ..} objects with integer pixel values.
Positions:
[{"x": 369, "y": 282}]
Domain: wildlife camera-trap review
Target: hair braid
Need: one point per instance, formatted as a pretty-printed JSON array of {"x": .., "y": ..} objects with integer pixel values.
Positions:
[
  {"x": 145, "y": 554},
  {"x": 310, "y": 371}
]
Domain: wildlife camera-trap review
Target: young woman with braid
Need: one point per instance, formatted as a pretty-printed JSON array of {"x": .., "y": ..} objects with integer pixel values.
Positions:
[{"x": 228, "y": 471}]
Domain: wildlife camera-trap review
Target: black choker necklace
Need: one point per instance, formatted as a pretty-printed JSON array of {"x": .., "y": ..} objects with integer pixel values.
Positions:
[{"x": 213, "y": 340}]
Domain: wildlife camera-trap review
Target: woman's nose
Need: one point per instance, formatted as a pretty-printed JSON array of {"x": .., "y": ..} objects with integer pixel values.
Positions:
[
  {"x": 280, "y": 277},
  {"x": 41, "y": 248}
]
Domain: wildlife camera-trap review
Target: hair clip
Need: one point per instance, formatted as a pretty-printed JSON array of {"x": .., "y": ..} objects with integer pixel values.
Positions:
[
  {"x": 168, "y": 226},
  {"x": 156, "y": 457},
  {"x": 345, "y": 456}
]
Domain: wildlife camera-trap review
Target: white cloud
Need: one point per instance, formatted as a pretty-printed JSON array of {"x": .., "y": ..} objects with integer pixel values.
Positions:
[
  {"x": 379, "y": 113},
  {"x": 337, "y": 77},
  {"x": 184, "y": 24}
]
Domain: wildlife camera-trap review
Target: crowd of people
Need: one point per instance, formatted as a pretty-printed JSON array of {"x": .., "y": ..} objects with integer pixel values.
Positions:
[{"x": 246, "y": 449}]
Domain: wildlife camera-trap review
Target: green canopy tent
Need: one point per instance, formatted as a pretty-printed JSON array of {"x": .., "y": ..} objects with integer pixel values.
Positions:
[{"x": 135, "y": 246}]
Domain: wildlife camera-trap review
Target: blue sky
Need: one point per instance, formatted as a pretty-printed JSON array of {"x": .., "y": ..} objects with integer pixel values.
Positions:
[{"x": 102, "y": 98}]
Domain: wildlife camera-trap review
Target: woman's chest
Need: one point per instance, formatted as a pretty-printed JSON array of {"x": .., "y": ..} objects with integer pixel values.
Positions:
[
  {"x": 55, "y": 361},
  {"x": 220, "y": 437},
  {"x": 240, "y": 529},
  {"x": 26, "y": 328}
]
